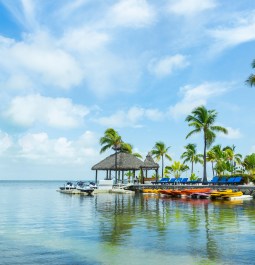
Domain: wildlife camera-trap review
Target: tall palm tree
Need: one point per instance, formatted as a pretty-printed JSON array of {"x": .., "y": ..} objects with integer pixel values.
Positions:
[
  {"x": 203, "y": 121},
  {"x": 190, "y": 155},
  {"x": 251, "y": 79},
  {"x": 249, "y": 164},
  {"x": 159, "y": 151}
]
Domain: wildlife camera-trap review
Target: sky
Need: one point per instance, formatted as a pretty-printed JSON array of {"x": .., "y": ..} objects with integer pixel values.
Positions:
[{"x": 71, "y": 69}]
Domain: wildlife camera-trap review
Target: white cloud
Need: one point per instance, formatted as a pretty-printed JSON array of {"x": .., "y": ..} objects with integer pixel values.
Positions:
[
  {"x": 242, "y": 31},
  {"x": 190, "y": 7},
  {"x": 167, "y": 65},
  {"x": 232, "y": 133},
  {"x": 39, "y": 59},
  {"x": 195, "y": 96},
  {"x": 132, "y": 13},
  {"x": 39, "y": 147},
  {"x": 131, "y": 118},
  {"x": 5, "y": 141},
  {"x": 84, "y": 39},
  {"x": 58, "y": 112}
]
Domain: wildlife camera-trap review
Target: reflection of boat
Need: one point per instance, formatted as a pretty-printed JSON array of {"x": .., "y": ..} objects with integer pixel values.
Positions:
[
  {"x": 200, "y": 195},
  {"x": 239, "y": 197}
]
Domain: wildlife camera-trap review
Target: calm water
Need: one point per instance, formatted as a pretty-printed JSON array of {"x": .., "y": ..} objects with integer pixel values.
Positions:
[{"x": 41, "y": 226}]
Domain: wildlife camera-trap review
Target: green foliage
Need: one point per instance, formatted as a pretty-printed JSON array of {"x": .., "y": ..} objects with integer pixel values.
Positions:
[
  {"x": 177, "y": 168},
  {"x": 251, "y": 79}
]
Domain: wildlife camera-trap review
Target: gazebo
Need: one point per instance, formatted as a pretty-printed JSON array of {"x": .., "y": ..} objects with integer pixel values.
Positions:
[
  {"x": 120, "y": 162},
  {"x": 149, "y": 164}
]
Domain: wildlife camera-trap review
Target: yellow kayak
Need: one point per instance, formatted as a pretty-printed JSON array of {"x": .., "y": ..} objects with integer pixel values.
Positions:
[{"x": 216, "y": 194}]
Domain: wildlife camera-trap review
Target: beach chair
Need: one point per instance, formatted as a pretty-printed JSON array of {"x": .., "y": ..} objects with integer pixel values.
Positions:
[
  {"x": 172, "y": 180},
  {"x": 222, "y": 181},
  {"x": 214, "y": 180},
  {"x": 178, "y": 180},
  {"x": 164, "y": 180},
  {"x": 238, "y": 180},
  {"x": 184, "y": 181},
  {"x": 230, "y": 181}
]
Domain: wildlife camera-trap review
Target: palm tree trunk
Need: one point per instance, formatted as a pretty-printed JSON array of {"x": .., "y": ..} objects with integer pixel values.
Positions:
[
  {"x": 204, "y": 171},
  {"x": 212, "y": 169},
  {"x": 162, "y": 166},
  {"x": 192, "y": 167}
]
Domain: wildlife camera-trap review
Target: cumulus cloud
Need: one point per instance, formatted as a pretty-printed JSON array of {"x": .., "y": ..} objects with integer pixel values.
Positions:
[
  {"x": 165, "y": 66},
  {"x": 132, "y": 13},
  {"x": 232, "y": 133},
  {"x": 53, "y": 112},
  {"x": 5, "y": 142},
  {"x": 241, "y": 31},
  {"x": 190, "y": 7},
  {"x": 195, "y": 96},
  {"x": 39, "y": 147},
  {"x": 37, "y": 58},
  {"x": 131, "y": 118}
]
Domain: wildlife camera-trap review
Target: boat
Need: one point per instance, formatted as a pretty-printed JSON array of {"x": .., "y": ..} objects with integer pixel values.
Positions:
[
  {"x": 189, "y": 192},
  {"x": 68, "y": 186},
  {"x": 224, "y": 194},
  {"x": 165, "y": 192},
  {"x": 85, "y": 187}
]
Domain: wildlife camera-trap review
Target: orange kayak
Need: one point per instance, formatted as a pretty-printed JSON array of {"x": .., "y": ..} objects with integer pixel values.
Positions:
[
  {"x": 191, "y": 191},
  {"x": 165, "y": 192}
]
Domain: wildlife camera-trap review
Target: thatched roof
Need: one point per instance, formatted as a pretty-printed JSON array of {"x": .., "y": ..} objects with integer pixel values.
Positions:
[
  {"x": 125, "y": 161},
  {"x": 149, "y": 163}
]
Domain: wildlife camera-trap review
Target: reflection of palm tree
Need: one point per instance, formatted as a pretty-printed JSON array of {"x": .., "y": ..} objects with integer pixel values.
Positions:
[
  {"x": 190, "y": 155},
  {"x": 203, "y": 121},
  {"x": 160, "y": 151},
  {"x": 251, "y": 79}
]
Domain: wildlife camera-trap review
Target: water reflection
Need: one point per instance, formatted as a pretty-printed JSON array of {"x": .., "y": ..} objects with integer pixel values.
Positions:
[{"x": 211, "y": 231}]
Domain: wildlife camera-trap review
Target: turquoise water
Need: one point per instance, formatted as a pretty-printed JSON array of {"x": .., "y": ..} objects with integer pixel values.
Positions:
[{"x": 41, "y": 226}]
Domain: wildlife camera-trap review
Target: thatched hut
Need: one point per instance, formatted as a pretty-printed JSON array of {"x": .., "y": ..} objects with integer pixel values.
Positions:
[{"x": 120, "y": 162}]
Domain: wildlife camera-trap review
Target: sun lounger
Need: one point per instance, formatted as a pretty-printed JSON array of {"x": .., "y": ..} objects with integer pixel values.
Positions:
[
  {"x": 238, "y": 180},
  {"x": 222, "y": 180},
  {"x": 214, "y": 180}
]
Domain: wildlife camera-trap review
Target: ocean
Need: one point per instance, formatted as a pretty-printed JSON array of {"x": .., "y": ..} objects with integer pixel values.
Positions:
[{"x": 39, "y": 225}]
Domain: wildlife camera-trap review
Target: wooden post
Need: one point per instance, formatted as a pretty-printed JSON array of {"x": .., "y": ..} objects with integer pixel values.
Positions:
[{"x": 96, "y": 177}]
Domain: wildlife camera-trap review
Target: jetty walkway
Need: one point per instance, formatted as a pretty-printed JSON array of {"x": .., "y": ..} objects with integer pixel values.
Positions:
[{"x": 246, "y": 189}]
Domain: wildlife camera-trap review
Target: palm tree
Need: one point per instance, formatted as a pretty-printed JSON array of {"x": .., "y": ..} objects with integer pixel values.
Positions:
[
  {"x": 190, "y": 155},
  {"x": 235, "y": 158},
  {"x": 177, "y": 168},
  {"x": 203, "y": 121},
  {"x": 111, "y": 139},
  {"x": 211, "y": 157},
  {"x": 249, "y": 164},
  {"x": 159, "y": 151},
  {"x": 251, "y": 79}
]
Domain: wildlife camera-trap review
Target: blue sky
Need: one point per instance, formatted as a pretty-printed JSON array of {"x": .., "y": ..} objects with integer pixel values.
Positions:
[{"x": 71, "y": 69}]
